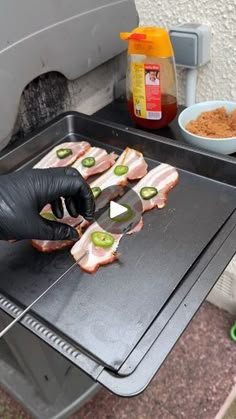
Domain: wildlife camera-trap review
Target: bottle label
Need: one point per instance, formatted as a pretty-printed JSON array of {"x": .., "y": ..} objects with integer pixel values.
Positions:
[{"x": 146, "y": 90}]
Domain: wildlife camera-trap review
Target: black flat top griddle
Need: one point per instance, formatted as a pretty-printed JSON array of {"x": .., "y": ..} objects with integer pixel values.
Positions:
[{"x": 113, "y": 317}]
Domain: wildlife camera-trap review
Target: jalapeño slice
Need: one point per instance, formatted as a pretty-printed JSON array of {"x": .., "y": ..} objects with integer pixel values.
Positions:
[
  {"x": 96, "y": 192},
  {"x": 121, "y": 170},
  {"x": 49, "y": 216},
  {"x": 88, "y": 162},
  {"x": 233, "y": 332},
  {"x": 62, "y": 153},
  {"x": 102, "y": 239},
  {"x": 148, "y": 192}
]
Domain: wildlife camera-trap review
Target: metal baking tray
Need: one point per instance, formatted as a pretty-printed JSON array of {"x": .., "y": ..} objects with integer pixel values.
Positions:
[{"x": 119, "y": 324}]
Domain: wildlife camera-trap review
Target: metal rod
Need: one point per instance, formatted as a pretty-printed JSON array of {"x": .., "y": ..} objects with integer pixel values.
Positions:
[{"x": 18, "y": 318}]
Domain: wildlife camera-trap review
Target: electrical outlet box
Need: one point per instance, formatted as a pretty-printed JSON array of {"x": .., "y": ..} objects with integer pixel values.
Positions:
[{"x": 191, "y": 44}]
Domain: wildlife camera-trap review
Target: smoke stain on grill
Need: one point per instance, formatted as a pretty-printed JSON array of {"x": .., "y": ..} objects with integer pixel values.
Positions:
[{"x": 43, "y": 98}]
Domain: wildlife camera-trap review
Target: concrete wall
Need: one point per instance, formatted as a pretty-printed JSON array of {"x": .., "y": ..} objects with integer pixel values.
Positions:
[{"x": 217, "y": 80}]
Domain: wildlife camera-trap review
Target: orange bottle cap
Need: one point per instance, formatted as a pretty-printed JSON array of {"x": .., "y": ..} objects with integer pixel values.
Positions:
[{"x": 149, "y": 41}]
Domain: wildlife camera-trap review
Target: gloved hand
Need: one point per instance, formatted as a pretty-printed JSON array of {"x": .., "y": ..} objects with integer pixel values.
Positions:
[{"x": 24, "y": 193}]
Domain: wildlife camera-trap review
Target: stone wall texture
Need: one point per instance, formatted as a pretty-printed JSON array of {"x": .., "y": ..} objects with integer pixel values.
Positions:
[{"x": 217, "y": 80}]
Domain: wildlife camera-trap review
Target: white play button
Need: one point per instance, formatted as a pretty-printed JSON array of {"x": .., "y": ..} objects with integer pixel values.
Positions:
[
  {"x": 118, "y": 216},
  {"x": 116, "y": 209}
]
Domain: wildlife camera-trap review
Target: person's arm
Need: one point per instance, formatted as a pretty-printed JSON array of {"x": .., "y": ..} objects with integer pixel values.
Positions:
[{"x": 24, "y": 193}]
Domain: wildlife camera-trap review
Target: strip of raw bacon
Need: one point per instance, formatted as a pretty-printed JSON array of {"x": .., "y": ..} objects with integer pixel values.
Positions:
[
  {"x": 103, "y": 161},
  {"x": 52, "y": 160},
  {"x": 137, "y": 168},
  {"x": 47, "y": 246},
  {"x": 164, "y": 178}
]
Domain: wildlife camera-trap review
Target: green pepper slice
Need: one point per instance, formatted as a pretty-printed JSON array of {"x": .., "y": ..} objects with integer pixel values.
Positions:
[
  {"x": 102, "y": 239},
  {"x": 88, "y": 162},
  {"x": 121, "y": 170},
  {"x": 148, "y": 192},
  {"x": 49, "y": 216},
  {"x": 233, "y": 332},
  {"x": 62, "y": 153},
  {"x": 126, "y": 216},
  {"x": 96, "y": 192}
]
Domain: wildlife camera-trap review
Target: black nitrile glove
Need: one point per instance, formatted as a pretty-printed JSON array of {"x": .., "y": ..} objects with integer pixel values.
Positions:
[{"x": 24, "y": 193}]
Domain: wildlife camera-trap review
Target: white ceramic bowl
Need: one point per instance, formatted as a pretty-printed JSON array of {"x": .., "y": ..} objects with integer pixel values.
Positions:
[{"x": 218, "y": 145}]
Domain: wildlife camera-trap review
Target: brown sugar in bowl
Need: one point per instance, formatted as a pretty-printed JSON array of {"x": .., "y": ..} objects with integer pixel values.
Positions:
[{"x": 210, "y": 126}]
